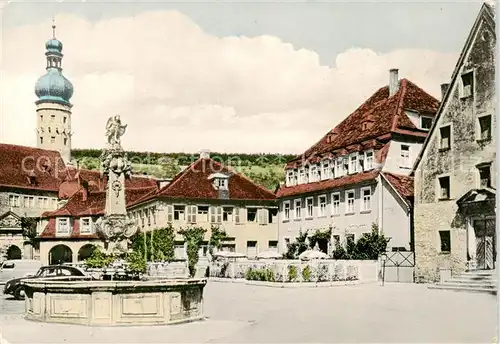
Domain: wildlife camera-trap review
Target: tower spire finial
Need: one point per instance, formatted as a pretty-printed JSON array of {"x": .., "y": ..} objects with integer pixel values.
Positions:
[{"x": 54, "y": 27}]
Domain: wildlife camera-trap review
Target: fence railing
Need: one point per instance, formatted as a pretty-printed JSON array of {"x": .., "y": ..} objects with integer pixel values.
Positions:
[{"x": 295, "y": 271}]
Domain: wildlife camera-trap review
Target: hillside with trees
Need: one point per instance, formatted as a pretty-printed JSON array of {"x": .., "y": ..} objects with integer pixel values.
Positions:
[{"x": 263, "y": 169}]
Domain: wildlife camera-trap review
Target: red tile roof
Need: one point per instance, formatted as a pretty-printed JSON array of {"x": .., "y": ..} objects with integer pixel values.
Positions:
[
  {"x": 327, "y": 184},
  {"x": 18, "y": 163},
  {"x": 194, "y": 183},
  {"x": 402, "y": 184},
  {"x": 384, "y": 115},
  {"x": 77, "y": 206}
]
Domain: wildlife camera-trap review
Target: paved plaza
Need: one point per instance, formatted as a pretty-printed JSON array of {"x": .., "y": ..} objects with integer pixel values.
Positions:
[{"x": 239, "y": 313}]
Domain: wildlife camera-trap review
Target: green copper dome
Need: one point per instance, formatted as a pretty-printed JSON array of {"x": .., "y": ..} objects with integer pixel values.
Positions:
[{"x": 53, "y": 86}]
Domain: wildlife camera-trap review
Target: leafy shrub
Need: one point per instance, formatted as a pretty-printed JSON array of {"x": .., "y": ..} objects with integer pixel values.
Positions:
[
  {"x": 306, "y": 274},
  {"x": 292, "y": 273},
  {"x": 136, "y": 263},
  {"x": 99, "y": 259},
  {"x": 260, "y": 274},
  {"x": 193, "y": 236}
]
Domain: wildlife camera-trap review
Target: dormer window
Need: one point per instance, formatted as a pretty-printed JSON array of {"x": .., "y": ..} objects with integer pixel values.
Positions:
[
  {"x": 62, "y": 226},
  {"x": 361, "y": 162},
  {"x": 353, "y": 163},
  {"x": 302, "y": 174},
  {"x": 425, "y": 122},
  {"x": 289, "y": 178},
  {"x": 368, "y": 160},
  {"x": 220, "y": 181},
  {"x": 313, "y": 176},
  {"x": 85, "y": 225},
  {"x": 325, "y": 170}
]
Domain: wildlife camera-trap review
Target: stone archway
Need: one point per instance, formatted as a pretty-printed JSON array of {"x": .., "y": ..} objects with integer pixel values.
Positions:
[
  {"x": 14, "y": 252},
  {"x": 85, "y": 251},
  {"x": 60, "y": 254}
]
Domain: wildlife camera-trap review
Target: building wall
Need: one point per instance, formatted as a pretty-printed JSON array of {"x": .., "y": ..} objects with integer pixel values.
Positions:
[
  {"x": 32, "y": 210},
  {"x": 52, "y": 120},
  {"x": 394, "y": 221},
  {"x": 75, "y": 245},
  {"x": 242, "y": 232},
  {"x": 394, "y": 163},
  {"x": 432, "y": 215}
]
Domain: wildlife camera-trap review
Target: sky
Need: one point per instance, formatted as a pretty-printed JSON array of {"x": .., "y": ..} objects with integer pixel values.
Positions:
[{"x": 245, "y": 77}]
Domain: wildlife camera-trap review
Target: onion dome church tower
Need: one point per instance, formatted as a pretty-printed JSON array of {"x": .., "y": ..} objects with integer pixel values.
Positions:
[{"x": 53, "y": 107}]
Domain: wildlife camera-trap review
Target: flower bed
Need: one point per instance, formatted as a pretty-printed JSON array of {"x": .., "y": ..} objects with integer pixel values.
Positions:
[{"x": 291, "y": 271}]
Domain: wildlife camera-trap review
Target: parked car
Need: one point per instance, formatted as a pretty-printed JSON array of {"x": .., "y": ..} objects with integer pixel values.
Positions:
[
  {"x": 16, "y": 289},
  {"x": 15, "y": 268}
]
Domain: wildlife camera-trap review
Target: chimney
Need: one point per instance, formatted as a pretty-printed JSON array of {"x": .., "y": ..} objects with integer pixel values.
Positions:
[
  {"x": 205, "y": 154},
  {"x": 444, "y": 88},
  {"x": 393, "y": 81}
]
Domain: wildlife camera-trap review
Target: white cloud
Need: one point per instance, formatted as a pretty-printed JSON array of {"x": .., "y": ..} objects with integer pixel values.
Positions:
[{"x": 180, "y": 89}]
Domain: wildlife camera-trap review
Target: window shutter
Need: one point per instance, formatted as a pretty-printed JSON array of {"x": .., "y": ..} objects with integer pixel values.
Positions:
[
  {"x": 219, "y": 214},
  {"x": 170, "y": 213},
  {"x": 212, "y": 213},
  {"x": 236, "y": 215},
  {"x": 194, "y": 212},
  {"x": 264, "y": 216}
]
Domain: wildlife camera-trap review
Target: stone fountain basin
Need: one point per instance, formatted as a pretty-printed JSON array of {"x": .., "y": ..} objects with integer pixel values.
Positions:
[{"x": 73, "y": 300}]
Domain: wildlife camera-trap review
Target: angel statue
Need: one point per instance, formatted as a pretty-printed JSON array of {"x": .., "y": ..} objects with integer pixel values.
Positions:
[{"x": 114, "y": 130}]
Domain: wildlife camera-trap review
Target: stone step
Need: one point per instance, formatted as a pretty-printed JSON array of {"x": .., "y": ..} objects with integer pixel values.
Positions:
[
  {"x": 475, "y": 278},
  {"x": 468, "y": 285},
  {"x": 468, "y": 281},
  {"x": 465, "y": 289}
]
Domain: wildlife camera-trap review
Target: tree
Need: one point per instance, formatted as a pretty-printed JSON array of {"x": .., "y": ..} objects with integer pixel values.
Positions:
[
  {"x": 162, "y": 247},
  {"x": 217, "y": 236},
  {"x": 295, "y": 248},
  {"x": 170, "y": 168},
  {"x": 369, "y": 246},
  {"x": 193, "y": 236},
  {"x": 29, "y": 224}
]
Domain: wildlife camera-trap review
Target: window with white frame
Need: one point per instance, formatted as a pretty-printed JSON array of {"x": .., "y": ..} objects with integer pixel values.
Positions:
[
  {"x": 191, "y": 212},
  {"x": 179, "y": 212},
  {"x": 286, "y": 211},
  {"x": 306, "y": 174},
  {"x": 313, "y": 174},
  {"x": 322, "y": 205},
  {"x": 361, "y": 162},
  {"x": 295, "y": 177},
  {"x": 405, "y": 156},
  {"x": 366, "y": 194},
  {"x": 298, "y": 208},
  {"x": 302, "y": 176},
  {"x": 426, "y": 122},
  {"x": 215, "y": 214},
  {"x": 349, "y": 195},
  {"x": 339, "y": 168},
  {"x": 289, "y": 177},
  {"x": 227, "y": 214},
  {"x": 368, "y": 160},
  {"x": 85, "y": 225},
  {"x": 325, "y": 170},
  {"x": 310, "y": 207},
  {"x": 336, "y": 203},
  {"x": 62, "y": 225},
  {"x": 353, "y": 163},
  {"x": 14, "y": 201}
]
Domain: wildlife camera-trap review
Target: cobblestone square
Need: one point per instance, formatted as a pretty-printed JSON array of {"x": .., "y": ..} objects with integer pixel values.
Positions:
[{"x": 238, "y": 313}]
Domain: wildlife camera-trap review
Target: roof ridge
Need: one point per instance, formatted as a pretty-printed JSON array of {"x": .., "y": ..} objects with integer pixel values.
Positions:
[{"x": 399, "y": 104}]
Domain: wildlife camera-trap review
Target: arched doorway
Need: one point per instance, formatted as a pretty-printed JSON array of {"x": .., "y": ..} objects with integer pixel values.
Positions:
[
  {"x": 85, "y": 251},
  {"x": 60, "y": 254},
  {"x": 14, "y": 252}
]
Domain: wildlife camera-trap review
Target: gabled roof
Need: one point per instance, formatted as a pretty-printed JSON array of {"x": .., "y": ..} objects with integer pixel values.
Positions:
[
  {"x": 477, "y": 195},
  {"x": 94, "y": 202},
  {"x": 403, "y": 185},
  {"x": 19, "y": 163},
  {"x": 487, "y": 14},
  {"x": 194, "y": 183},
  {"x": 384, "y": 114}
]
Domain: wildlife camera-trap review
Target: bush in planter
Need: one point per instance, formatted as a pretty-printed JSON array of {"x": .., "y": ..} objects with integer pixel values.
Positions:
[
  {"x": 339, "y": 274},
  {"x": 256, "y": 274},
  {"x": 352, "y": 273},
  {"x": 223, "y": 269},
  {"x": 292, "y": 273},
  {"x": 306, "y": 274}
]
